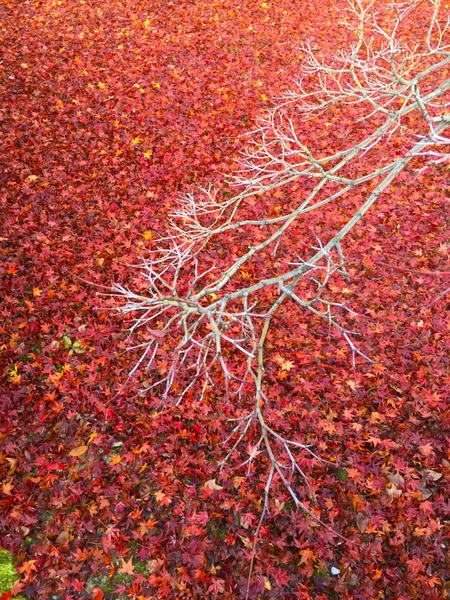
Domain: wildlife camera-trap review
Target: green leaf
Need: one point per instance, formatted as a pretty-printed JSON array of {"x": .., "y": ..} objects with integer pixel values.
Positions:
[{"x": 67, "y": 342}]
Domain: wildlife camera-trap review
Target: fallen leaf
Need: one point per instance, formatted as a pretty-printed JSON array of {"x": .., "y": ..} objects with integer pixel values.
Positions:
[
  {"x": 7, "y": 488},
  {"x": 78, "y": 451},
  {"x": 307, "y": 556},
  {"x": 212, "y": 485},
  {"x": 433, "y": 475},
  {"x": 127, "y": 566},
  {"x": 426, "y": 449},
  {"x": 362, "y": 521}
]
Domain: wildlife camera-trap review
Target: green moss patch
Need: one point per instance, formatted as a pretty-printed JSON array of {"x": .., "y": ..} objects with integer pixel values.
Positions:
[{"x": 8, "y": 573}]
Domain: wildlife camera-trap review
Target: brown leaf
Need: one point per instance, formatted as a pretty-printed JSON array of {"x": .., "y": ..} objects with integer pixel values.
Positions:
[
  {"x": 396, "y": 479},
  {"x": 433, "y": 475},
  {"x": 394, "y": 491},
  {"x": 362, "y": 521},
  {"x": 62, "y": 538}
]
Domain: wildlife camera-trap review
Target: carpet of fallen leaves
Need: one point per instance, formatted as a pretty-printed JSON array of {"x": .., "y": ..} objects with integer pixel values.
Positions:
[{"x": 108, "y": 110}]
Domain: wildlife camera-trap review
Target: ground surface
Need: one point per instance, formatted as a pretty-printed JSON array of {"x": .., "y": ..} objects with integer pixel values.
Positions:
[{"x": 108, "y": 110}]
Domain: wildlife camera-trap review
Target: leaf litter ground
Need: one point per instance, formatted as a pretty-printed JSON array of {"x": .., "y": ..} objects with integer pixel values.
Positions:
[{"x": 108, "y": 112}]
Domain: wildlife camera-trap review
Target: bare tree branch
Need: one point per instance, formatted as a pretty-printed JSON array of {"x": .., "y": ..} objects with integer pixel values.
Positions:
[{"x": 211, "y": 320}]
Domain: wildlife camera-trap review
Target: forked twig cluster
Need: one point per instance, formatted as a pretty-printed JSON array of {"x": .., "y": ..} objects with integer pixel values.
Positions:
[{"x": 207, "y": 320}]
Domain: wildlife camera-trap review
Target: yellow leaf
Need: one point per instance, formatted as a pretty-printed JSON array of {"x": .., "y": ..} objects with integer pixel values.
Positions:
[
  {"x": 267, "y": 584},
  {"x": 78, "y": 451},
  {"x": 148, "y": 154},
  {"x": 92, "y": 437},
  {"x": 115, "y": 460},
  {"x": 286, "y": 365},
  {"x": 14, "y": 375},
  {"x": 147, "y": 235},
  {"x": 36, "y": 292},
  {"x": 247, "y": 543},
  {"x": 136, "y": 140},
  {"x": 13, "y": 370},
  {"x": 101, "y": 85},
  {"x": 263, "y": 97}
]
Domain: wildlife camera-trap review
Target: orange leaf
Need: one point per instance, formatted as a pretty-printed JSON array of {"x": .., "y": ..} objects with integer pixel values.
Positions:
[
  {"x": 127, "y": 567},
  {"x": 97, "y": 594},
  {"x": 7, "y": 488},
  {"x": 308, "y": 557},
  {"x": 377, "y": 575},
  {"x": 27, "y": 568},
  {"x": 426, "y": 449},
  {"x": 162, "y": 499}
]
